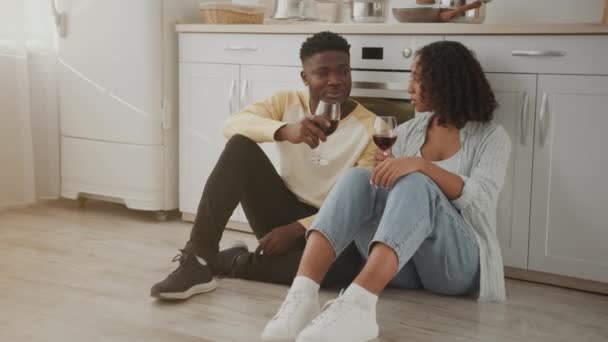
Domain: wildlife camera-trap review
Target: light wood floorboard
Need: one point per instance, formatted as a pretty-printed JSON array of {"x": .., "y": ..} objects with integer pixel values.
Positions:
[{"x": 84, "y": 274}]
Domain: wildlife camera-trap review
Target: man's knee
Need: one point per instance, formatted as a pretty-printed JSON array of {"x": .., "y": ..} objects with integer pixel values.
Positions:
[
  {"x": 240, "y": 142},
  {"x": 241, "y": 149}
]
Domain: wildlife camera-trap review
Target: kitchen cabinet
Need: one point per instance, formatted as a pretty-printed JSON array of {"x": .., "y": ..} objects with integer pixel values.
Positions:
[
  {"x": 206, "y": 100},
  {"x": 260, "y": 82},
  {"x": 209, "y": 93},
  {"x": 551, "y": 216},
  {"x": 516, "y": 96},
  {"x": 257, "y": 83},
  {"x": 569, "y": 215},
  {"x": 551, "y": 213}
]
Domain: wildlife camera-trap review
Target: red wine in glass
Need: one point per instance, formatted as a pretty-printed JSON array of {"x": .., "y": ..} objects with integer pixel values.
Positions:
[
  {"x": 332, "y": 128},
  {"x": 384, "y": 142},
  {"x": 330, "y": 111},
  {"x": 384, "y": 133}
]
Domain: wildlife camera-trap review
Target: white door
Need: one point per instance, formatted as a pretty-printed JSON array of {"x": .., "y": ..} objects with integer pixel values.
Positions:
[
  {"x": 110, "y": 71},
  {"x": 207, "y": 97},
  {"x": 258, "y": 83},
  {"x": 516, "y": 97},
  {"x": 569, "y": 220}
]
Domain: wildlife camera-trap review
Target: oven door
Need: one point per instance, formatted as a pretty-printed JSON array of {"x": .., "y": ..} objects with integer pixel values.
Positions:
[{"x": 383, "y": 92}]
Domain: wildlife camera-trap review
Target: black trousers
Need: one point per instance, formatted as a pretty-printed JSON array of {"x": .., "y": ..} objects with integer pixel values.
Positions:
[{"x": 244, "y": 174}]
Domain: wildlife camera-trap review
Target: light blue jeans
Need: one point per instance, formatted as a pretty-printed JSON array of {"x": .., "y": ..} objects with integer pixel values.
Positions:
[{"x": 435, "y": 247}]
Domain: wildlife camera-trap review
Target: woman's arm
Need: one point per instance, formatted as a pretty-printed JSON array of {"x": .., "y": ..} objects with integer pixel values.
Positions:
[
  {"x": 390, "y": 170},
  {"x": 487, "y": 177},
  {"x": 482, "y": 186},
  {"x": 450, "y": 183}
]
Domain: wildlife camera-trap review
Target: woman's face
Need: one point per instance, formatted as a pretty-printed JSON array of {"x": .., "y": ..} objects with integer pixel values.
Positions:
[{"x": 415, "y": 90}]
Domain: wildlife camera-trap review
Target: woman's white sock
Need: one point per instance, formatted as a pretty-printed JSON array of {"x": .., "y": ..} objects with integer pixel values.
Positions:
[
  {"x": 361, "y": 296},
  {"x": 304, "y": 284}
]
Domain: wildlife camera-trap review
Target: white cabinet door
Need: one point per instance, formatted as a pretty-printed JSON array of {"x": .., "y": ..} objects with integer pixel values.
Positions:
[
  {"x": 208, "y": 94},
  {"x": 569, "y": 220},
  {"x": 258, "y": 83},
  {"x": 516, "y": 97}
]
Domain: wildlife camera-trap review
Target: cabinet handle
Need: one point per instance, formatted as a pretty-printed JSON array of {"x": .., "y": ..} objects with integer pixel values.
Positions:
[
  {"x": 538, "y": 53},
  {"x": 543, "y": 119},
  {"x": 397, "y": 86},
  {"x": 241, "y": 48},
  {"x": 244, "y": 94},
  {"x": 231, "y": 96},
  {"x": 523, "y": 119},
  {"x": 60, "y": 20}
]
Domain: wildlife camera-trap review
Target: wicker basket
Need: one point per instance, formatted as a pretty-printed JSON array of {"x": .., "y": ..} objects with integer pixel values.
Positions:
[{"x": 232, "y": 14}]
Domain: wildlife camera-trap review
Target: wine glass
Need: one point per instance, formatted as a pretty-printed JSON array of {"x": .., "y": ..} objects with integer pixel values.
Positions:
[
  {"x": 384, "y": 133},
  {"x": 331, "y": 111}
]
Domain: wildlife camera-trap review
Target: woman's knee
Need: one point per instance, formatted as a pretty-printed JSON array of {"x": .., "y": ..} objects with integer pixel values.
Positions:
[
  {"x": 413, "y": 183},
  {"x": 355, "y": 179},
  {"x": 414, "y": 178}
]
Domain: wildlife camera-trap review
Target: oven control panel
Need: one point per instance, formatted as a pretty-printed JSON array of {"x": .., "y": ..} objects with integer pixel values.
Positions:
[{"x": 386, "y": 52}]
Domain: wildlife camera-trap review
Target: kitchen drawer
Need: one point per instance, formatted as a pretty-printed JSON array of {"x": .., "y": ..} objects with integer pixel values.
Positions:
[
  {"x": 556, "y": 55},
  {"x": 389, "y": 52},
  {"x": 230, "y": 48}
]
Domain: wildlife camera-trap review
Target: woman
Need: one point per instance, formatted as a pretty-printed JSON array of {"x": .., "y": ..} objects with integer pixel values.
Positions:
[{"x": 423, "y": 218}]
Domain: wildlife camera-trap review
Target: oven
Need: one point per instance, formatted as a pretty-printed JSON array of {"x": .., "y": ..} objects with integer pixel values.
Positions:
[
  {"x": 381, "y": 70},
  {"x": 383, "y": 92}
]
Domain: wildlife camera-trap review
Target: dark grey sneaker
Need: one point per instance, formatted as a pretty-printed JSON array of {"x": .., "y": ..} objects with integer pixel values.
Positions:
[
  {"x": 227, "y": 258},
  {"x": 190, "y": 278}
]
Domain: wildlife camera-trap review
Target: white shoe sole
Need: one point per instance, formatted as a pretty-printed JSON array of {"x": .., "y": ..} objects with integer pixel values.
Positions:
[
  {"x": 194, "y": 290},
  {"x": 372, "y": 336}
]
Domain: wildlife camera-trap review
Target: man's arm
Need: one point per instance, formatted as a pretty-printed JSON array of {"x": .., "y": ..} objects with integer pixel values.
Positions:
[
  {"x": 258, "y": 121},
  {"x": 262, "y": 122}
]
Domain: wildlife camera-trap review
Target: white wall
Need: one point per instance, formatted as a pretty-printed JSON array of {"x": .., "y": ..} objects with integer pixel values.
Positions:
[
  {"x": 533, "y": 11},
  {"x": 29, "y": 134},
  {"x": 16, "y": 163},
  {"x": 544, "y": 11},
  {"x": 44, "y": 111}
]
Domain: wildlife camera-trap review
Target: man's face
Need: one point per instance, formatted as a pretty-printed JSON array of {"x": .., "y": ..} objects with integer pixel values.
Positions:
[{"x": 327, "y": 75}]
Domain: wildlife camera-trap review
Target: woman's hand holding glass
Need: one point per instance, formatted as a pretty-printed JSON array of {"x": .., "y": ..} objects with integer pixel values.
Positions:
[
  {"x": 388, "y": 172},
  {"x": 389, "y": 169},
  {"x": 381, "y": 156}
]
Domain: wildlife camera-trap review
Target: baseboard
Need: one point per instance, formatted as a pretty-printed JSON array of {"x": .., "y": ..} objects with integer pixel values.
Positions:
[
  {"x": 188, "y": 217},
  {"x": 238, "y": 226},
  {"x": 557, "y": 280}
]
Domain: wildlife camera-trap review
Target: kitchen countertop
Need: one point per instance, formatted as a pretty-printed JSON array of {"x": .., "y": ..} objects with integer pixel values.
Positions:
[{"x": 399, "y": 29}]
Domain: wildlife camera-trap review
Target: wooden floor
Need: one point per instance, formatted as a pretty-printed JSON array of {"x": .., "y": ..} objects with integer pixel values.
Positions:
[{"x": 84, "y": 274}]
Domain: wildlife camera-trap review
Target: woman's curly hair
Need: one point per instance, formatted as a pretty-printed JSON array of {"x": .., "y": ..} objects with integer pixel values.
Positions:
[{"x": 453, "y": 84}]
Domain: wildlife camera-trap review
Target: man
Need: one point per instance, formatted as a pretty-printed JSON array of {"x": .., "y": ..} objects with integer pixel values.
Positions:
[{"x": 279, "y": 208}]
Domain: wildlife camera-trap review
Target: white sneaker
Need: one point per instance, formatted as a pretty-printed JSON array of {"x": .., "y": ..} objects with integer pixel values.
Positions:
[
  {"x": 343, "y": 320},
  {"x": 298, "y": 309}
]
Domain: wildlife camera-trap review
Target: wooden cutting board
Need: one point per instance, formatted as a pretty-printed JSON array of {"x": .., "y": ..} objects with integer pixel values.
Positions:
[{"x": 605, "y": 17}]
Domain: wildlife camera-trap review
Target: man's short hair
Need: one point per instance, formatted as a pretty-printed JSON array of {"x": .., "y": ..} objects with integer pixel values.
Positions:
[{"x": 322, "y": 42}]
